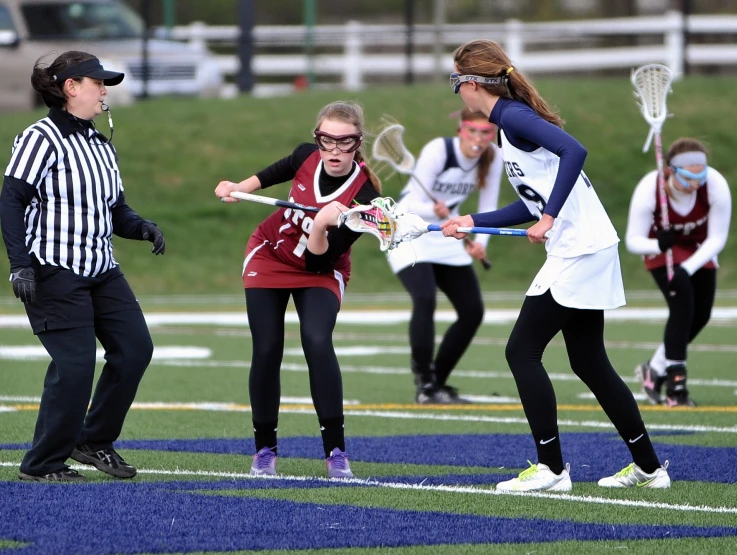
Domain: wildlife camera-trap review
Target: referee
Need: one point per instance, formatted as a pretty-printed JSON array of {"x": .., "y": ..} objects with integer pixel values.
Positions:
[{"x": 61, "y": 201}]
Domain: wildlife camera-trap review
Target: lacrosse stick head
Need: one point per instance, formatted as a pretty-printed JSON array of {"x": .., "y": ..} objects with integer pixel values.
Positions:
[
  {"x": 377, "y": 218},
  {"x": 652, "y": 84},
  {"x": 389, "y": 147}
]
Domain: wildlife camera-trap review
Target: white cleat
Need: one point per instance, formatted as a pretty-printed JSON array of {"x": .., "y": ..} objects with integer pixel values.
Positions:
[
  {"x": 538, "y": 477},
  {"x": 633, "y": 476}
]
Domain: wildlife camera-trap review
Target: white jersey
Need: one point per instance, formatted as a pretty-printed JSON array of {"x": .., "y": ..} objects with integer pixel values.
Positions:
[
  {"x": 582, "y": 269},
  {"x": 450, "y": 177},
  {"x": 582, "y": 226}
]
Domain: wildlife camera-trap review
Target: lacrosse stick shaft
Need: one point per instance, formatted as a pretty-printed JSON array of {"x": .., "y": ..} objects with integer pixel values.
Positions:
[
  {"x": 663, "y": 200},
  {"x": 272, "y": 201},
  {"x": 485, "y": 230}
]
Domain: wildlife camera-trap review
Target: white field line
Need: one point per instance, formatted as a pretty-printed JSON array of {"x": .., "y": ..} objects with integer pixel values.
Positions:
[
  {"x": 382, "y": 317},
  {"x": 446, "y": 489},
  {"x": 168, "y": 352},
  {"x": 207, "y": 406},
  {"x": 420, "y": 416}
]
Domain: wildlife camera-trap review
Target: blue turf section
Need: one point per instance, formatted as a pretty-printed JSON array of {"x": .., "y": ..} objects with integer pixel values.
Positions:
[
  {"x": 592, "y": 455},
  {"x": 128, "y": 518}
]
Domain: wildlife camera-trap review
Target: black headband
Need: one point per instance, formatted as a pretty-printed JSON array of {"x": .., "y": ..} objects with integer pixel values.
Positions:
[{"x": 90, "y": 68}]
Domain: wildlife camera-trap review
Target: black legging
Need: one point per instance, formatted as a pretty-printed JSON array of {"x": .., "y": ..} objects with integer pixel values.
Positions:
[
  {"x": 540, "y": 319},
  {"x": 317, "y": 309},
  {"x": 460, "y": 285},
  {"x": 688, "y": 311}
]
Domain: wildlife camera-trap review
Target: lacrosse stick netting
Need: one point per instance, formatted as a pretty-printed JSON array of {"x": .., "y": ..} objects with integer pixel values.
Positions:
[
  {"x": 652, "y": 85},
  {"x": 389, "y": 147}
]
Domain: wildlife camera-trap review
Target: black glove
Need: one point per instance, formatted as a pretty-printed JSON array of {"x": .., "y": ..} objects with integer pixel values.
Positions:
[
  {"x": 680, "y": 283},
  {"x": 149, "y": 232},
  {"x": 666, "y": 239},
  {"x": 24, "y": 283}
]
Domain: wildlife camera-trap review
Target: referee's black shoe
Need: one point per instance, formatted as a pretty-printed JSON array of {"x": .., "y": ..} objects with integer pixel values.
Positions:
[
  {"x": 104, "y": 460},
  {"x": 66, "y": 475}
]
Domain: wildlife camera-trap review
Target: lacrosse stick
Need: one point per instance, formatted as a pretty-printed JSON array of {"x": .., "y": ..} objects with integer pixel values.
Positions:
[
  {"x": 652, "y": 85},
  {"x": 389, "y": 147},
  {"x": 272, "y": 201}
]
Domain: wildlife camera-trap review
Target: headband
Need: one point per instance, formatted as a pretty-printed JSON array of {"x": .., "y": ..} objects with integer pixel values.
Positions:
[{"x": 693, "y": 158}]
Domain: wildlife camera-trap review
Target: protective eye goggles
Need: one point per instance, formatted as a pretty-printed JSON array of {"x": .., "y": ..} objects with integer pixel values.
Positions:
[
  {"x": 344, "y": 143},
  {"x": 456, "y": 80},
  {"x": 477, "y": 131},
  {"x": 685, "y": 177}
]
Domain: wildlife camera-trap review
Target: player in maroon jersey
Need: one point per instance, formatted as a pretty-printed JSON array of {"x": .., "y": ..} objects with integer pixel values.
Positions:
[
  {"x": 298, "y": 254},
  {"x": 699, "y": 210}
]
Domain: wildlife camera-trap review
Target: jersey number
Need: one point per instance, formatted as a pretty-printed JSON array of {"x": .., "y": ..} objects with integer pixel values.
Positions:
[{"x": 528, "y": 193}]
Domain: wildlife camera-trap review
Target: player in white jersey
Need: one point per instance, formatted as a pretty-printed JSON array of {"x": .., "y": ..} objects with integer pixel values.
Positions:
[
  {"x": 449, "y": 169},
  {"x": 580, "y": 278},
  {"x": 699, "y": 210}
]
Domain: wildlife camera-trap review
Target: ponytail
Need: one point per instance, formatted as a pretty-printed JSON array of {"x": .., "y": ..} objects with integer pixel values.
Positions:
[{"x": 372, "y": 177}]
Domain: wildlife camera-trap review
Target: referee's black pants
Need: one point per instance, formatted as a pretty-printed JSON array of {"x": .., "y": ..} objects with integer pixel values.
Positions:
[{"x": 66, "y": 417}]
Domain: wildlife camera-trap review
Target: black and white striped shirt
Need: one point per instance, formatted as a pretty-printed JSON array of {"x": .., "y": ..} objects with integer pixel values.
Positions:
[{"x": 74, "y": 171}]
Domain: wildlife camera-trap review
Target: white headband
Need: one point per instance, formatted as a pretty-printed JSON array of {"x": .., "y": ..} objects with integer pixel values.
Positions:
[{"x": 693, "y": 158}]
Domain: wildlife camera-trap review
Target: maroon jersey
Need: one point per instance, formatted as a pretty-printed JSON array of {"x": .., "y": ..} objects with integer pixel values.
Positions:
[
  {"x": 275, "y": 254},
  {"x": 689, "y": 230}
]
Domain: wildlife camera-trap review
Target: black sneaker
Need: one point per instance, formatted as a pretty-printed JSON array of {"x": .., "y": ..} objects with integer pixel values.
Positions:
[
  {"x": 676, "y": 393},
  {"x": 66, "y": 475},
  {"x": 454, "y": 396},
  {"x": 104, "y": 460},
  {"x": 652, "y": 384}
]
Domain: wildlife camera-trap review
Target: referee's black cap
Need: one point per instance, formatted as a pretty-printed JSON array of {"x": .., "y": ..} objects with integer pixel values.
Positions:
[{"x": 93, "y": 69}]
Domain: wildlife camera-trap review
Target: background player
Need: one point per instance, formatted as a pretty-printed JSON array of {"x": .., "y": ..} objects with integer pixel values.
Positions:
[
  {"x": 451, "y": 168},
  {"x": 699, "y": 211}
]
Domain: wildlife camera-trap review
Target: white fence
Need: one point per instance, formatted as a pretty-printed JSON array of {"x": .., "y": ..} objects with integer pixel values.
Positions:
[{"x": 362, "y": 51}]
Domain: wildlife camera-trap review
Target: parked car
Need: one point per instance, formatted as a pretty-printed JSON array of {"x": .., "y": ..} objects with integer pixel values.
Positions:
[{"x": 109, "y": 29}]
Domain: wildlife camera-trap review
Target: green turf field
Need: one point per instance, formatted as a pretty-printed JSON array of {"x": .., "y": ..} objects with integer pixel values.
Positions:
[{"x": 190, "y": 429}]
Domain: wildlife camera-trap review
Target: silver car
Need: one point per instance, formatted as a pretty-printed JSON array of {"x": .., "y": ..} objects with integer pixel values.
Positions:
[{"x": 108, "y": 29}]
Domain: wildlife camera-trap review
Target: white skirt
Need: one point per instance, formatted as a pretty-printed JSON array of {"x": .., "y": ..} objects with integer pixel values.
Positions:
[
  {"x": 589, "y": 282},
  {"x": 432, "y": 247}
]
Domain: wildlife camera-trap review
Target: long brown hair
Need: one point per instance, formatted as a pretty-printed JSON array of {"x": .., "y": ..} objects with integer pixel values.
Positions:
[
  {"x": 43, "y": 78},
  {"x": 487, "y": 156},
  {"x": 487, "y": 58},
  {"x": 352, "y": 113}
]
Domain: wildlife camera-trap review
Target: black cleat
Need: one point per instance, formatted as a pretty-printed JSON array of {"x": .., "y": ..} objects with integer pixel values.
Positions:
[
  {"x": 104, "y": 460},
  {"x": 676, "y": 392},
  {"x": 66, "y": 475}
]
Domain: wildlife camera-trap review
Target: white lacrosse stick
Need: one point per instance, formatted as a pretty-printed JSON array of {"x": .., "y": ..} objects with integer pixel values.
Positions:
[
  {"x": 652, "y": 85},
  {"x": 389, "y": 147}
]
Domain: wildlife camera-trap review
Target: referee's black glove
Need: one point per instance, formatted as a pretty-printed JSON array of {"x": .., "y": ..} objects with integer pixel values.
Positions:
[
  {"x": 666, "y": 239},
  {"x": 24, "y": 283},
  {"x": 150, "y": 232}
]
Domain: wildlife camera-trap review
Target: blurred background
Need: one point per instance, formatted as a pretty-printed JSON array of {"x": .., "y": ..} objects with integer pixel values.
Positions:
[{"x": 220, "y": 89}]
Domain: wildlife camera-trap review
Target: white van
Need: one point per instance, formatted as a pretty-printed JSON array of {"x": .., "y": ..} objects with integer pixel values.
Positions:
[{"x": 108, "y": 29}]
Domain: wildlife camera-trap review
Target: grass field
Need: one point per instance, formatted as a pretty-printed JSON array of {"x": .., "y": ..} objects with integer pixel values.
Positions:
[{"x": 424, "y": 475}]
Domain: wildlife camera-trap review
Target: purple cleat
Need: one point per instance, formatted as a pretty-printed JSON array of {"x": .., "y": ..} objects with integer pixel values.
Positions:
[
  {"x": 264, "y": 462},
  {"x": 338, "y": 466}
]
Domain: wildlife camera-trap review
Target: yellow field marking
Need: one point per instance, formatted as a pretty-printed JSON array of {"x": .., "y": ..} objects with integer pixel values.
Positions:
[{"x": 403, "y": 406}]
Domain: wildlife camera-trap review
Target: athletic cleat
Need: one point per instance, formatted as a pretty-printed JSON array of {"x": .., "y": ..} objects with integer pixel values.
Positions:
[
  {"x": 676, "y": 393},
  {"x": 338, "y": 466},
  {"x": 633, "y": 476},
  {"x": 264, "y": 462},
  {"x": 538, "y": 477},
  {"x": 105, "y": 460},
  {"x": 66, "y": 475},
  {"x": 454, "y": 396},
  {"x": 652, "y": 384}
]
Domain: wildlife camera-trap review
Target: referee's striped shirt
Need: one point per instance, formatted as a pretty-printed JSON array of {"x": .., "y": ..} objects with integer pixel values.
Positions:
[{"x": 75, "y": 173}]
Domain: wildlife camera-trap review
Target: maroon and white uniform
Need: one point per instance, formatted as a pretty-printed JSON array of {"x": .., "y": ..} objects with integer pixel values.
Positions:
[
  {"x": 276, "y": 254},
  {"x": 700, "y": 222}
]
